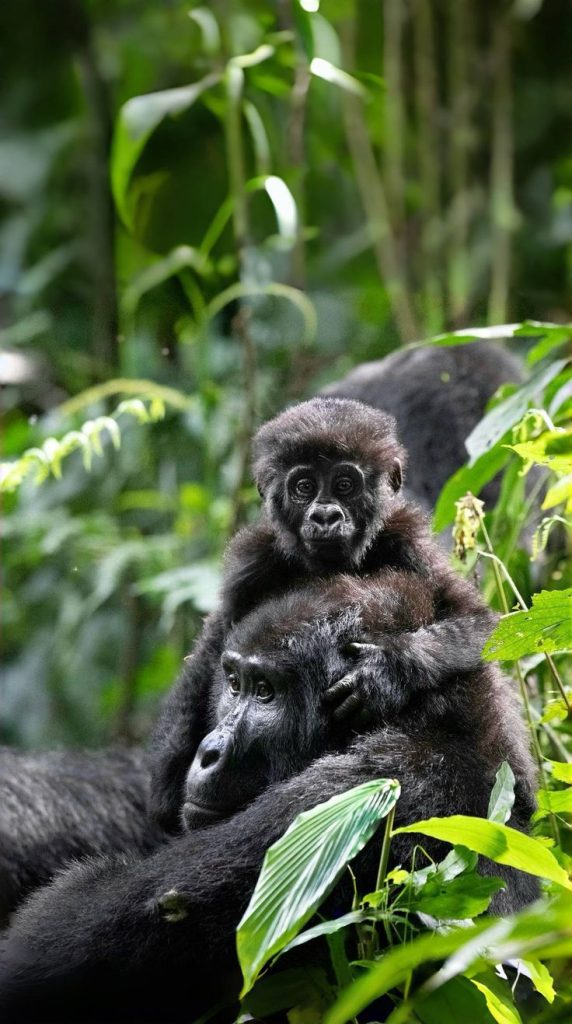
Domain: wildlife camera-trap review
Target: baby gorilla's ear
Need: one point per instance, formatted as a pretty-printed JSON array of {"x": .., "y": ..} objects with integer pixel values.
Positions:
[
  {"x": 396, "y": 475},
  {"x": 259, "y": 489}
]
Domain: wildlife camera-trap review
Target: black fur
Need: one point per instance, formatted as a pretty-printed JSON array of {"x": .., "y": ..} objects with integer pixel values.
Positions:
[
  {"x": 56, "y": 807},
  {"x": 102, "y": 943},
  {"x": 271, "y": 557},
  {"x": 437, "y": 396}
]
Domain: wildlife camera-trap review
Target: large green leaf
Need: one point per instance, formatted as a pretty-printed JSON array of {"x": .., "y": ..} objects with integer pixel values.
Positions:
[
  {"x": 499, "y": 842},
  {"x": 499, "y": 1003},
  {"x": 542, "y": 930},
  {"x": 301, "y": 868},
  {"x": 137, "y": 120},
  {"x": 503, "y": 416},
  {"x": 467, "y": 895},
  {"x": 468, "y": 478},
  {"x": 545, "y": 628}
]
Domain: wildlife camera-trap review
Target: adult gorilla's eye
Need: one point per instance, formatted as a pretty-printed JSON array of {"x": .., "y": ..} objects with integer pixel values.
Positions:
[
  {"x": 264, "y": 691},
  {"x": 304, "y": 487},
  {"x": 233, "y": 683},
  {"x": 344, "y": 486}
]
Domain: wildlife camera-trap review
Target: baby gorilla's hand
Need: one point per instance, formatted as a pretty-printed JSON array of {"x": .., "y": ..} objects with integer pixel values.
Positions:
[{"x": 366, "y": 696}]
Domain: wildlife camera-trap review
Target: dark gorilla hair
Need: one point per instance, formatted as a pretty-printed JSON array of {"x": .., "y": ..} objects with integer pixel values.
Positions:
[
  {"x": 61, "y": 805},
  {"x": 120, "y": 939},
  {"x": 330, "y": 473},
  {"x": 437, "y": 394}
]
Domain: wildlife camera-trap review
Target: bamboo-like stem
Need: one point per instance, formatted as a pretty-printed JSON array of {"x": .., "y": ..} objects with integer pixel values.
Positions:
[
  {"x": 460, "y": 93},
  {"x": 376, "y": 208},
  {"x": 428, "y": 156},
  {"x": 394, "y": 122},
  {"x": 501, "y": 176},
  {"x": 237, "y": 181}
]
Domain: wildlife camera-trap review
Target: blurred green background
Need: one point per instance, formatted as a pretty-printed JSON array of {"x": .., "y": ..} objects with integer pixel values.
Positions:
[{"x": 238, "y": 202}]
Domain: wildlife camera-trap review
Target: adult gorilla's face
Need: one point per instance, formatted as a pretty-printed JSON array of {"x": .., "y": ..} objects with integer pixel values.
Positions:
[{"x": 269, "y": 721}]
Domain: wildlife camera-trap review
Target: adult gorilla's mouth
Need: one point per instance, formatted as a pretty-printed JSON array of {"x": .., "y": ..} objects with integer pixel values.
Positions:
[{"x": 195, "y": 814}]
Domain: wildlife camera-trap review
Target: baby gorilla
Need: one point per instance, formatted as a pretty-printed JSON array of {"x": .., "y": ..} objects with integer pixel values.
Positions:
[
  {"x": 153, "y": 939},
  {"x": 330, "y": 472}
]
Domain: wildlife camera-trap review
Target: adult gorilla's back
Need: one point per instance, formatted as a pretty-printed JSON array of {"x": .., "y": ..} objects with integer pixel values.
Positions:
[
  {"x": 437, "y": 395},
  {"x": 59, "y": 806}
]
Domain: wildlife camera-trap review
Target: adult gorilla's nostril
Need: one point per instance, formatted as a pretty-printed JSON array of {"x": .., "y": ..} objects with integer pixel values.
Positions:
[
  {"x": 209, "y": 753},
  {"x": 326, "y": 515}
]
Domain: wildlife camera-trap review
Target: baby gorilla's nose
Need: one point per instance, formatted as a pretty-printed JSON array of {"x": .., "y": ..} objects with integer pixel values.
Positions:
[{"x": 326, "y": 515}]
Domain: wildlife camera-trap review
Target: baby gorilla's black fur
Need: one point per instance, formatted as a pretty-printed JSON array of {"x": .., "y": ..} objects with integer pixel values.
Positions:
[
  {"x": 59, "y": 806},
  {"x": 348, "y": 516},
  {"x": 152, "y": 939}
]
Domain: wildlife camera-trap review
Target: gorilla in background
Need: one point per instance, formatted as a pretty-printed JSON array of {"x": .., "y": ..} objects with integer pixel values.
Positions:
[
  {"x": 330, "y": 472},
  {"x": 437, "y": 396},
  {"x": 125, "y": 939},
  {"x": 59, "y": 806}
]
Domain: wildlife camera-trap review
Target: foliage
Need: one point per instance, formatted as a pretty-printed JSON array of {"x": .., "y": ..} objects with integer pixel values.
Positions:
[{"x": 297, "y": 189}]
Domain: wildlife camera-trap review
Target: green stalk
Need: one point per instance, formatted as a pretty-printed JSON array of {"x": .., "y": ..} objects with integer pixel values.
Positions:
[
  {"x": 460, "y": 103},
  {"x": 394, "y": 127},
  {"x": 428, "y": 156},
  {"x": 501, "y": 181}
]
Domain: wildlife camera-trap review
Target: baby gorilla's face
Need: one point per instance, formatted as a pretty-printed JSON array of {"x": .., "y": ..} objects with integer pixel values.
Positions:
[{"x": 269, "y": 720}]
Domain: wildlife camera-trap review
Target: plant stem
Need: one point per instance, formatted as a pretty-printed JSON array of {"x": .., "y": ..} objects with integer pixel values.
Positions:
[
  {"x": 384, "y": 856},
  {"x": 429, "y": 163},
  {"x": 376, "y": 208},
  {"x": 460, "y": 102},
  {"x": 501, "y": 181},
  {"x": 394, "y": 127}
]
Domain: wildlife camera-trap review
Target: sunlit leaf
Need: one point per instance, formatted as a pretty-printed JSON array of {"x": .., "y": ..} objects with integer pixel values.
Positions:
[
  {"x": 546, "y": 627},
  {"x": 499, "y": 842}
]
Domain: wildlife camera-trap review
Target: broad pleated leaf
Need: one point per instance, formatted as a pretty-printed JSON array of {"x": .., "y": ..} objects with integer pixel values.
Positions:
[
  {"x": 301, "y": 868},
  {"x": 499, "y": 842}
]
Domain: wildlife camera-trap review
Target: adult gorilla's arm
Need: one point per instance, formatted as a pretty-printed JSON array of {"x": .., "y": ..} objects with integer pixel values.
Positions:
[
  {"x": 181, "y": 726},
  {"x": 96, "y": 942}
]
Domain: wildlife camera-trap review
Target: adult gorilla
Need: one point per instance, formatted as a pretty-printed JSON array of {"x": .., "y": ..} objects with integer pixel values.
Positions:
[
  {"x": 437, "y": 395},
  {"x": 102, "y": 942},
  {"x": 58, "y": 806}
]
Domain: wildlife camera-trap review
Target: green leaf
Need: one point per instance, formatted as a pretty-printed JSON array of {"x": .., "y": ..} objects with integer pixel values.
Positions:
[
  {"x": 502, "y": 795},
  {"x": 553, "y": 801},
  {"x": 467, "y": 895},
  {"x": 397, "y": 964},
  {"x": 502, "y": 417},
  {"x": 299, "y": 986},
  {"x": 540, "y": 977},
  {"x": 562, "y": 770},
  {"x": 458, "y": 1000},
  {"x": 468, "y": 478},
  {"x": 499, "y": 842},
  {"x": 469, "y": 334},
  {"x": 499, "y": 1004},
  {"x": 137, "y": 121},
  {"x": 301, "y": 868},
  {"x": 329, "y": 927},
  {"x": 546, "y": 628}
]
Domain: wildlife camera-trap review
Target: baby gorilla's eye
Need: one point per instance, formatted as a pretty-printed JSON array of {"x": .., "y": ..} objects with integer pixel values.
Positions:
[
  {"x": 304, "y": 487},
  {"x": 264, "y": 690},
  {"x": 233, "y": 683},
  {"x": 344, "y": 485}
]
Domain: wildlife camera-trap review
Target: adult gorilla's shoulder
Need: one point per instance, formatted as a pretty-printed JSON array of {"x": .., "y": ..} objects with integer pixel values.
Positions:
[{"x": 437, "y": 395}]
